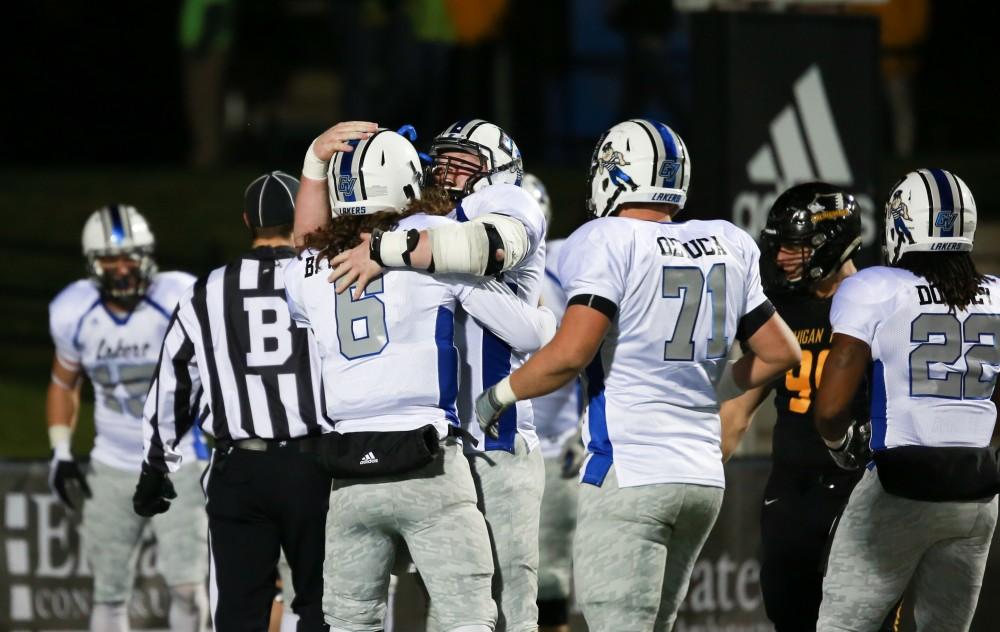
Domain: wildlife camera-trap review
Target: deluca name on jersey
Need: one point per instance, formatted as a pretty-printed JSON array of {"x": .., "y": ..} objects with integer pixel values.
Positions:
[{"x": 691, "y": 249}]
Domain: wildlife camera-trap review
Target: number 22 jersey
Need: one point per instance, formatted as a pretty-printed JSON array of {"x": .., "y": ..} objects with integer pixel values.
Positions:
[
  {"x": 934, "y": 368},
  {"x": 682, "y": 292}
]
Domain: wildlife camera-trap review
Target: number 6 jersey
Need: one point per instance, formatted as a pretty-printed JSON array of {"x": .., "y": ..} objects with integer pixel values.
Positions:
[
  {"x": 682, "y": 291},
  {"x": 118, "y": 354},
  {"x": 934, "y": 370}
]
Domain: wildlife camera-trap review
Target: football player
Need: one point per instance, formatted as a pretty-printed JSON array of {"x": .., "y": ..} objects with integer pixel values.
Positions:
[
  {"x": 924, "y": 513},
  {"x": 110, "y": 326},
  {"x": 654, "y": 307},
  {"x": 398, "y": 339},
  {"x": 499, "y": 230},
  {"x": 557, "y": 417},
  {"x": 812, "y": 232}
]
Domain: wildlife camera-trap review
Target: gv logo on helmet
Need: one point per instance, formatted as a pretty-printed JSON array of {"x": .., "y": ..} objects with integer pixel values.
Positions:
[
  {"x": 346, "y": 184},
  {"x": 669, "y": 169},
  {"x": 945, "y": 219}
]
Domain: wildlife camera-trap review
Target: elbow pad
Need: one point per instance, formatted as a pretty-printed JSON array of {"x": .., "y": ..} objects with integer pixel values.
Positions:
[{"x": 469, "y": 247}]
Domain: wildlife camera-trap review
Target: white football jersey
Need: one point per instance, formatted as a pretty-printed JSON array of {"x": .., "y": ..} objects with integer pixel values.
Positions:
[
  {"x": 681, "y": 289},
  {"x": 558, "y": 413},
  {"x": 486, "y": 358},
  {"x": 119, "y": 355},
  {"x": 389, "y": 361},
  {"x": 934, "y": 371}
]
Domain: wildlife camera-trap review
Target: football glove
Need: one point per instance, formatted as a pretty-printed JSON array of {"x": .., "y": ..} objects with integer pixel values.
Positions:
[
  {"x": 490, "y": 405},
  {"x": 573, "y": 454},
  {"x": 854, "y": 453},
  {"x": 153, "y": 492},
  {"x": 64, "y": 473}
]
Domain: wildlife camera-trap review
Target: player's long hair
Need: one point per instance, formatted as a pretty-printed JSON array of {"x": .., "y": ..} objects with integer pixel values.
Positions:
[
  {"x": 344, "y": 232},
  {"x": 954, "y": 274}
]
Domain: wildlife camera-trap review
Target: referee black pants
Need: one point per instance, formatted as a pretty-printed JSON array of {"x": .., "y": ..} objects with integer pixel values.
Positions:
[{"x": 259, "y": 502}]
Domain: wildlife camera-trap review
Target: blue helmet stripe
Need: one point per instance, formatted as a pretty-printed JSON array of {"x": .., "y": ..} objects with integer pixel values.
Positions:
[
  {"x": 947, "y": 201},
  {"x": 670, "y": 153},
  {"x": 345, "y": 173},
  {"x": 117, "y": 227}
]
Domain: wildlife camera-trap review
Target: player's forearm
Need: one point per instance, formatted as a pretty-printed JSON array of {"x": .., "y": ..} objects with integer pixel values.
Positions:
[
  {"x": 312, "y": 208},
  {"x": 62, "y": 406},
  {"x": 737, "y": 414},
  {"x": 545, "y": 372}
]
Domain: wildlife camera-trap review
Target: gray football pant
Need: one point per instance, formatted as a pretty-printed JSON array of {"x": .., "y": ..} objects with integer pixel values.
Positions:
[
  {"x": 433, "y": 509},
  {"x": 111, "y": 531},
  {"x": 510, "y": 490},
  {"x": 635, "y": 549},
  {"x": 555, "y": 533},
  {"x": 883, "y": 541}
]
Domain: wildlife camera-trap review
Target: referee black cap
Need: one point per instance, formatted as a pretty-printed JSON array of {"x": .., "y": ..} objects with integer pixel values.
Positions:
[{"x": 270, "y": 199}]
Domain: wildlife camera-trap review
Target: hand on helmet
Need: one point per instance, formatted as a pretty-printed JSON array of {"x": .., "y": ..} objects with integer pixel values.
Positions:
[{"x": 336, "y": 138}]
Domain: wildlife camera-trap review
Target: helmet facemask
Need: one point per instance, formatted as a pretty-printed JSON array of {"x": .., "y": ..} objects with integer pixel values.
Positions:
[
  {"x": 125, "y": 289},
  {"x": 482, "y": 163}
]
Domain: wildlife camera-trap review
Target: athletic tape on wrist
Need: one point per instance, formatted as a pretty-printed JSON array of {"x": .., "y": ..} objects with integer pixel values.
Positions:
[{"x": 312, "y": 166}]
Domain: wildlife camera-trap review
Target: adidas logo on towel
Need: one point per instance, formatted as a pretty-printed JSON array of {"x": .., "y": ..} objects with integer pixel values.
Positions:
[{"x": 368, "y": 459}]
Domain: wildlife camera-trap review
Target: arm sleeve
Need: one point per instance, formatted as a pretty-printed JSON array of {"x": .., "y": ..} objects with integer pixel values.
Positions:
[
  {"x": 495, "y": 306},
  {"x": 594, "y": 261},
  {"x": 172, "y": 404},
  {"x": 857, "y": 309},
  {"x": 754, "y": 288}
]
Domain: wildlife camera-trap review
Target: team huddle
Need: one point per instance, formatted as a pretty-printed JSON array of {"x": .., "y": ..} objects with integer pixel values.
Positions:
[{"x": 403, "y": 372}]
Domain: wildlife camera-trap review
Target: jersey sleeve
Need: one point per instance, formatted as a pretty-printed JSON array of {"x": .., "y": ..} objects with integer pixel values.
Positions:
[
  {"x": 172, "y": 403},
  {"x": 170, "y": 287},
  {"x": 858, "y": 307},
  {"x": 524, "y": 327},
  {"x": 754, "y": 288},
  {"x": 65, "y": 313},
  {"x": 594, "y": 261}
]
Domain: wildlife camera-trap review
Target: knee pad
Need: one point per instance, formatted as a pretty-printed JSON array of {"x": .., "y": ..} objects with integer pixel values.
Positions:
[
  {"x": 553, "y": 612},
  {"x": 109, "y": 617}
]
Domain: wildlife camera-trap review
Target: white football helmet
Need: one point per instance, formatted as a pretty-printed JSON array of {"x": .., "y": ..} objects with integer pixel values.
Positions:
[
  {"x": 534, "y": 186},
  {"x": 114, "y": 231},
  {"x": 381, "y": 174},
  {"x": 640, "y": 160},
  {"x": 494, "y": 156},
  {"x": 929, "y": 210}
]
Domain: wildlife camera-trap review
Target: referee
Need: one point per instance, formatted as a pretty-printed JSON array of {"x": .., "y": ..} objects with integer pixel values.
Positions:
[{"x": 234, "y": 362}]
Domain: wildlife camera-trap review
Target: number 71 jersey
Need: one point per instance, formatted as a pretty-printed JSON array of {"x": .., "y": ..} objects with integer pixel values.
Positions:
[
  {"x": 934, "y": 370},
  {"x": 681, "y": 291}
]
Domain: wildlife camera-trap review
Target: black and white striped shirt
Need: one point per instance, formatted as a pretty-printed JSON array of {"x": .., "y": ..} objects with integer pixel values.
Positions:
[{"x": 234, "y": 362}]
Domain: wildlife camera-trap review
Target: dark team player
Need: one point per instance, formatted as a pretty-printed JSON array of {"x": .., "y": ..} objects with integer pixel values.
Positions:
[{"x": 812, "y": 232}]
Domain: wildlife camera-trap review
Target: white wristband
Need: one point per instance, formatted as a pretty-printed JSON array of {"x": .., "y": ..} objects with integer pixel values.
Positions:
[
  {"x": 504, "y": 393},
  {"x": 728, "y": 388},
  {"x": 59, "y": 439},
  {"x": 312, "y": 167},
  {"x": 391, "y": 249}
]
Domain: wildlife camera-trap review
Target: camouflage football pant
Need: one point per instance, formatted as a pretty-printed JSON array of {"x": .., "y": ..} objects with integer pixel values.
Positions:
[
  {"x": 433, "y": 510},
  {"x": 883, "y": 541},
  {"x": 555, "y": 533},
  {"x": 510, "y": 490},
  {"x": 635, "y": 549},
  {"x": 111, "y": 531}
]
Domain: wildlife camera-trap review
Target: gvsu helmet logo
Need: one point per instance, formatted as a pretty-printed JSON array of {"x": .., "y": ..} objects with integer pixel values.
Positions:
[
  {"x": 945, "y": 219},
  {"x": 345, "y": 184},
  {"x": 668, "y": 170}
]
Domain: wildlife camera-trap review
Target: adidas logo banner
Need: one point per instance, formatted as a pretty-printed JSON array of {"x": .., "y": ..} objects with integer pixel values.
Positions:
[
  {"x": 783, "y": 111},
  {"x": 368, "y": 459}
]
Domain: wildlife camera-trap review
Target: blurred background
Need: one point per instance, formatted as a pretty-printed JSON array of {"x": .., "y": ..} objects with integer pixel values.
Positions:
[{"x": 175, "y": 106}]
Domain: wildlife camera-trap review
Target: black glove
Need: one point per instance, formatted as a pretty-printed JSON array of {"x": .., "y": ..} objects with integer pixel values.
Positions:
[
  {"x": 153, "y": 492},
  {"x": 855, "y": 452},
  {"x": 63, "y": 473}
]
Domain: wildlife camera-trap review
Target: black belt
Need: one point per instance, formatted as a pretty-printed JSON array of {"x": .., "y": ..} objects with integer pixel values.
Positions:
[{"x": 255, "y": 444}]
